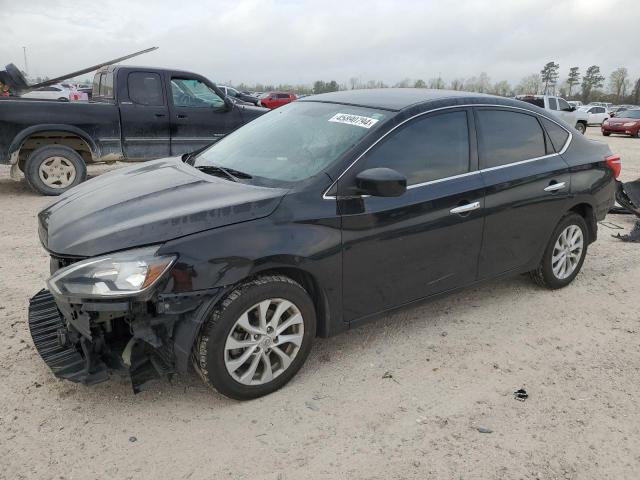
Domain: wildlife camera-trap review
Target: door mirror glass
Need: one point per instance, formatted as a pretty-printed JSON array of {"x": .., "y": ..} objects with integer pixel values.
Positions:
[{"x": 381, "y": 182}]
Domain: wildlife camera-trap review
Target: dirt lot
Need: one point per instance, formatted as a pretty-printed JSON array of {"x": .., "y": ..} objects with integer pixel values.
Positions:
[{"x": 454, "y": 365}]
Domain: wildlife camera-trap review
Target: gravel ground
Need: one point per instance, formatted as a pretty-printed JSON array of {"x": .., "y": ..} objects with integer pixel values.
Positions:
[{"x": 400, "y": 398}]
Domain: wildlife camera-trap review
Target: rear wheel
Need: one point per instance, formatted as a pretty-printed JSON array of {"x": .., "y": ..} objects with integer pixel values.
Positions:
[
  {"x": 257, "y": 338},
  {"x": 581, "y": 127},
  {"x": 565, "y": 253},
  {"x": 54, "y": 169}
]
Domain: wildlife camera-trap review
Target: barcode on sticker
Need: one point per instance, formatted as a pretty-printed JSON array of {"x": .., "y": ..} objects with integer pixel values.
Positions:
[{"x": 356, "y": 120}]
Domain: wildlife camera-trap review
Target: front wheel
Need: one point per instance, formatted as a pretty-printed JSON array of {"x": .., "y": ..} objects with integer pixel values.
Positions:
[
  {"x": 257, "y": 338},
  {"x": 606, "y": 134},
  {"x": 565, "y": 253},
  {"x": 54, "y": 169},
  {"x": 581, "y": 127}
]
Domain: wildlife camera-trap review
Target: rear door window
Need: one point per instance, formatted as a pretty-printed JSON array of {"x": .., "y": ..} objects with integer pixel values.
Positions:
[
  {"x": 145, "y": 88},
  {"x": 425, "y": 149},
  {"x": 553, "y": 103},
  {"x": 506, "y": 137},
  {"x": 557, "y": 134}
]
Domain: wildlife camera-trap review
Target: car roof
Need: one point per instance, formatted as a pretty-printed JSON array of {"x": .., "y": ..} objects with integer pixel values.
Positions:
[{"x": 396, "y": 99}]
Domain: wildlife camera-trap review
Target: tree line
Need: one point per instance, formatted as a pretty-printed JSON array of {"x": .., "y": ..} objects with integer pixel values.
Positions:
[{"x": 592, "y": 85}]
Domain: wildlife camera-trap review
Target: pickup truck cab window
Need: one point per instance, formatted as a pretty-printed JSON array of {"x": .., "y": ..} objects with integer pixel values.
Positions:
[
  {"x": 506, "y": 137},
  {"x": 425, "y": 149},
  {"x": 564, "y": 105},
  {"x": 553, "y": 103},
  {"x": 194, "y": 93},
  {"x": 145, "y": 88}
]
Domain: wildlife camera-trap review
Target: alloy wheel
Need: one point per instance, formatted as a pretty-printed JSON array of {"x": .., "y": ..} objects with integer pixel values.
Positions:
[
  {"x": 264, "y": 341},
  {"x": 567, "y": 252}
]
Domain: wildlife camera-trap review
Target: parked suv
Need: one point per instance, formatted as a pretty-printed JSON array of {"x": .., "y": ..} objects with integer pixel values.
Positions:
[
  {"x": 596, "y": 115},
  {"x": 560, "y": 108},
  {"x": 308, "y": 221}
]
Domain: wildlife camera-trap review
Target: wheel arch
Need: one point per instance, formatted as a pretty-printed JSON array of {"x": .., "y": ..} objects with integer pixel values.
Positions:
[
  {"x": 313, "y": 288},
  {"x": 188, "y": 329},
  {"x": 28, "y": 140},
  {"x": 586, "y": 211}
]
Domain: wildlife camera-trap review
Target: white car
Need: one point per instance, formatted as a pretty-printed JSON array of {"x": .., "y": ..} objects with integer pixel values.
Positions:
[
  {"x": 600, "y": 104},
  {"x": 52, "y": 92},
  {"x": 575, "y": 103},
  {"x": 596, "y": 115}
]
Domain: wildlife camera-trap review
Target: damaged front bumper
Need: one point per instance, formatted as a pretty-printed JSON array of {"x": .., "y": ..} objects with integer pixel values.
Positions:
[{"x": 83, "y": 342}]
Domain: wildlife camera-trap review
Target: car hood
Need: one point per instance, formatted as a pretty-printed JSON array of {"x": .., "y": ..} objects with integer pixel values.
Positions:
[
  {"x": 619, "y": 119},
  {"x": 146, "y": 204}
]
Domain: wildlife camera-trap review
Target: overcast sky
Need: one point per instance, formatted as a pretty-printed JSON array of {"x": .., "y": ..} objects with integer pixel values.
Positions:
[{"x": 299, "y": 41}]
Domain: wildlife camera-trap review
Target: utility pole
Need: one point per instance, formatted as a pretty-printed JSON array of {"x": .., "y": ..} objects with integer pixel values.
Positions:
[{"x": 26, "y": 66}]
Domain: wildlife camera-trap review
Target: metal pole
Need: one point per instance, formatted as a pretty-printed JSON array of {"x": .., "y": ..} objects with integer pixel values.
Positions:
[{"x": 26, "y": 66}]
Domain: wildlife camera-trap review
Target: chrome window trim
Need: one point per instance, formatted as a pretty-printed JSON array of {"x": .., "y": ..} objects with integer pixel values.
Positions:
[
  {"x": 430, "y": 182},
  {"x": 416, "y": 185}
]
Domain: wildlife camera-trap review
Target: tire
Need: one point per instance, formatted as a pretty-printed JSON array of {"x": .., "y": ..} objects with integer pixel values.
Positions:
[
  {"x": 581, "y": 127},
  {"x": 637, "y": 134},
  {"x": 606, "y": 134},
  {"x": 224, "y": 369},
  {"x": 63, "y": 99},
  {"x": 545, "y": 275},
  {"x": 54, "y": 169}
]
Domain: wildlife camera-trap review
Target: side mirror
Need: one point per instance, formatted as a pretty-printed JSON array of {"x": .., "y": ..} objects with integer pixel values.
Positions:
[
  {"x": 612, "y": 114},
  {"x": 381, "y": 182},
  {"x": 228, "y": 103}
]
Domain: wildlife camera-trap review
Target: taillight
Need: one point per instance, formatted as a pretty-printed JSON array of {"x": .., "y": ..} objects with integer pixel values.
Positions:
[{"x": 615, "y": 164}]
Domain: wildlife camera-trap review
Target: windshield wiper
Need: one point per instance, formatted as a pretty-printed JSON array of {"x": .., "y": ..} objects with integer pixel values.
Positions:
[{"x": 230, "y": 173}]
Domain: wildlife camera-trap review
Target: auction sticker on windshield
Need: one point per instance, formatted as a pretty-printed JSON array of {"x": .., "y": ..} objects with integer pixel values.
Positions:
[{"x": 358, "y": 120}]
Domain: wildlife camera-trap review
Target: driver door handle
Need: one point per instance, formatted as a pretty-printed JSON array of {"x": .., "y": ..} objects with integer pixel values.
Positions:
[
  {"x": 469, "y": 207},
  {"x": 181, "y": 115},
  {"x": 555, "y": 187}
]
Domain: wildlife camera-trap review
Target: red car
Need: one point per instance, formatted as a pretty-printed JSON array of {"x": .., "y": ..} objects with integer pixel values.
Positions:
[
  {"x": 276, "y": 99},
  {"x": 625, "y": 123}
]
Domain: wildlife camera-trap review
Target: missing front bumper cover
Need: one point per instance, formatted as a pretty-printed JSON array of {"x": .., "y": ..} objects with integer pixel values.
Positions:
[{"x": 73, "y": 356}]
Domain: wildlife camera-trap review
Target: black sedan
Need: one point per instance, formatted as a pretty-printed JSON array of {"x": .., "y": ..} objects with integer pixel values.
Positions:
[{"x": 310, "y": 220}]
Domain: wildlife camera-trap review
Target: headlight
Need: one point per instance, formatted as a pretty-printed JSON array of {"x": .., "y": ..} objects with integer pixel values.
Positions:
[
  {"x": 120, "y": 274},
  {"x": 628, "y": 124}
]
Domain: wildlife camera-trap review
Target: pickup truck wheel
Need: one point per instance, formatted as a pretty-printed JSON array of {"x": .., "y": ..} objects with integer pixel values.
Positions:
[
  {"x": 565, "y": 253},
  {"x": 581, "y": 127},
  {"x": 257, "y": 338},
  {"x": 54, "y": 169}
]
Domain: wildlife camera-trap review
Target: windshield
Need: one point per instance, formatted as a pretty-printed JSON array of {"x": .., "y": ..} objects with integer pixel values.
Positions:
[
  {"x": 293, "y": 142},
  {"x": 629, "y": 114}
]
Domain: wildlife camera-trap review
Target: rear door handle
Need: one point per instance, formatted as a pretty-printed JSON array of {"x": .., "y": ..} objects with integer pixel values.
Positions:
[
  {"x": 180, "y": 115},
  {"x": 469, "y": 207},
  {"x": 555, "y": 187},
  {"x": 160, "y": 115}
]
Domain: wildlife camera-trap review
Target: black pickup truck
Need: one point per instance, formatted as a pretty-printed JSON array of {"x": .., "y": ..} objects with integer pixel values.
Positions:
[{"x": 135, "y": 114}]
